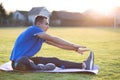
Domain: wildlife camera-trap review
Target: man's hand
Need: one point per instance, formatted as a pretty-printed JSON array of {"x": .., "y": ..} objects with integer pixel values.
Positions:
[{"x": 82, "y": 50}]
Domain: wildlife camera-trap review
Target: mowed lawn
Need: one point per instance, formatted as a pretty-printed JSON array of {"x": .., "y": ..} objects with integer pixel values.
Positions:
[{"x": 105, "y": 42}]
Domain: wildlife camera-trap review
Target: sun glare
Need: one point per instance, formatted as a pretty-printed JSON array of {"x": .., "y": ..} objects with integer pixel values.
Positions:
[{"x": 103, "y": 7}]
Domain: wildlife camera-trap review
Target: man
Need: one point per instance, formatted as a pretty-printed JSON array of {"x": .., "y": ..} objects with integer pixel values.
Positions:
[{"x": 30, "y": 42}]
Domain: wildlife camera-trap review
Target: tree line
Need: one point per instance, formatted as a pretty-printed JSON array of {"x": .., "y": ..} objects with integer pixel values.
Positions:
[{"x": 5, "y": 19}]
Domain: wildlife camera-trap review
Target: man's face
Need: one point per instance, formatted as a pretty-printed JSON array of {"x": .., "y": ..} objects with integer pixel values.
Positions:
[{"x": 44, "y": 25}]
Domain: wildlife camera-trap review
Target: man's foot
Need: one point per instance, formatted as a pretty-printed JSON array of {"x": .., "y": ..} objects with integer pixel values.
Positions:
[
  {"x": 89, "y": 63},
  {"x": 41, "y": 66},
  {"x": 49, "y": 66}
]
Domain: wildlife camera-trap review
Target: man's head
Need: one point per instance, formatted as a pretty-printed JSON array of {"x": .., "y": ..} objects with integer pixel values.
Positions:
[{"x": 42, "y": 22}]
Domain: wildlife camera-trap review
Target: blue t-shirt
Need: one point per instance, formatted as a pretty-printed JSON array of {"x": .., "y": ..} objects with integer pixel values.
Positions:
[{"x": 27, "y": 44}]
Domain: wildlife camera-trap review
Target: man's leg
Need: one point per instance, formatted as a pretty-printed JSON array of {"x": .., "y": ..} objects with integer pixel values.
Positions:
[
  {"x": 88, "y": 64},
  {"x": 57, "y": 62},
  {"x": 24, "y": 64}
]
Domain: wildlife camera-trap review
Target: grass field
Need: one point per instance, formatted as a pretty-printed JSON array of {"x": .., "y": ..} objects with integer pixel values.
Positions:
[{"x": 105, "y": 42}]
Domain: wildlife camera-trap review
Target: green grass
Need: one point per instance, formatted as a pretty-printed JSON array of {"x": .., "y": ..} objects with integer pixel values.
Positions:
[{"x": 105, "y": 42}]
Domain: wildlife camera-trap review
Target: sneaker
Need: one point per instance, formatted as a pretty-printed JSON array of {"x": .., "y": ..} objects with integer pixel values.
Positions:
[
  {"x": 90, "y": 62},
  {"x": 49, "y": 66},
  {"x": 41, "y": 66}
]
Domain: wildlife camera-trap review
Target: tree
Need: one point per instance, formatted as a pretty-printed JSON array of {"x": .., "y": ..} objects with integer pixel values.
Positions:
[{"x": 3, "y": 15}]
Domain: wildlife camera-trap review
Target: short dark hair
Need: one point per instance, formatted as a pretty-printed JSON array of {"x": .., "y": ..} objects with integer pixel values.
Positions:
[{"x": 39, "y": 18}]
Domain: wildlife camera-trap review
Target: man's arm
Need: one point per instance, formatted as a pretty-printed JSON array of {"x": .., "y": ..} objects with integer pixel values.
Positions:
[
  {"x": 58, "y": 42},
  {"x": 60, "y": 46}
]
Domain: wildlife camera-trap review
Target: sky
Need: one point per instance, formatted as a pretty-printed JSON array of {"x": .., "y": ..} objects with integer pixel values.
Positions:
[{"x": 102, "y": 6}]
